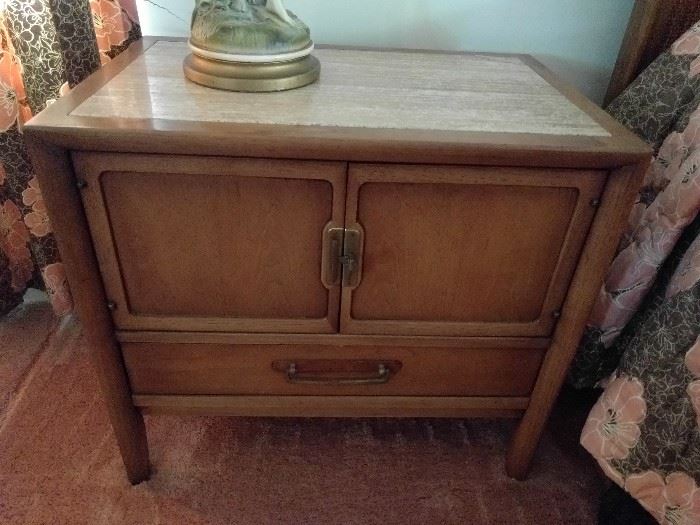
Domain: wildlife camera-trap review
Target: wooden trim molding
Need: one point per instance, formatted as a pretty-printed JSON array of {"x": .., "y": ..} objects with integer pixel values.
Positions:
[
  {"x": 330, "y": 339},
  {"x": 347, "y": 406}
]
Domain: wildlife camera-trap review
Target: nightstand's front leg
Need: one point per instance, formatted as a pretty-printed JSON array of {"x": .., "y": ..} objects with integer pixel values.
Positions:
[
  {"x": 60, "y": 190},
  {"x": 127, "y": 421},
  {"x": 603, "y": 239}
]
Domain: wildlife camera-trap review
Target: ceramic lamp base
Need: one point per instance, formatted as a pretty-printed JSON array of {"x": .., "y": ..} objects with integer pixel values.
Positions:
[{"x": 252, "y": 76}]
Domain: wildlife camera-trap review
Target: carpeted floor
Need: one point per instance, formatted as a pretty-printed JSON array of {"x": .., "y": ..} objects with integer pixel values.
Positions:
[{"x": 59, "y": 462}]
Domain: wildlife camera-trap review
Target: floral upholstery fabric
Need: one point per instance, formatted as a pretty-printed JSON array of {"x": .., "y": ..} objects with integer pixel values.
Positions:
[
  {"x": 46, "y": 47},
  {"x": 645, "y": 429},
  {"x": 662, "y": 106}
]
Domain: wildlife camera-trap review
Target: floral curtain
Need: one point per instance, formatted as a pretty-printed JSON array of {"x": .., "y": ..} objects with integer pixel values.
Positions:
[
  {"x": 644, "y": 430},
  {"x": 46, "y": 48},
  {"x": 662, "y": 107}
]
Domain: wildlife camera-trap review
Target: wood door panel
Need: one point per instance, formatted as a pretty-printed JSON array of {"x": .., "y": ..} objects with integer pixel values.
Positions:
[
  {"x": 460, "y": 251},
  {"x": 213, "y": 244},
  {"x": 418, "y": 223},
  {"x": 240, "y": 238},
  {"x": 219, "y": 369}
]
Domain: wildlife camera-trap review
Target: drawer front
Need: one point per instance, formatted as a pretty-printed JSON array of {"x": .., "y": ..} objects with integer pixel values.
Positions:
[
  {"x": 310, "y": 370},
  {"x": 463, "y": 251},
  {"x": 213, "y": 244}
]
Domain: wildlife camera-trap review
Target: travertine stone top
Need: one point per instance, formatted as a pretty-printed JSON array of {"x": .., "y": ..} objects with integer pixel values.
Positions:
[{"x": 358, "y": 89}]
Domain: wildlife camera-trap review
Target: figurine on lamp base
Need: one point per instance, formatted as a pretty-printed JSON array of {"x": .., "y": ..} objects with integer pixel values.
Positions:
[{"x": 250, "y": 45}]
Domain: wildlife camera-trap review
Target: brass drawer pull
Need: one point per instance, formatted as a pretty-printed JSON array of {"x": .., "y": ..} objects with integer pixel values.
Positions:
[
  {"x": 293, "y": 376},
  {"x": 337, "y": 372}
]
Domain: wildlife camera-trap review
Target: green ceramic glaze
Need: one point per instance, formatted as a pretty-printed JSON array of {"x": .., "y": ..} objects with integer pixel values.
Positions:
[{"x": 247, "y": 27}]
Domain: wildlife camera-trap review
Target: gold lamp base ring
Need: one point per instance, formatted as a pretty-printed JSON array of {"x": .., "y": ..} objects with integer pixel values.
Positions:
[{"x": 250, "y": 76}]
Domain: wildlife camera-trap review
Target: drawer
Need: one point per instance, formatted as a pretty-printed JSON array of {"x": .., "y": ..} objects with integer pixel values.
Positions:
[{"x": 311, "y": 370}]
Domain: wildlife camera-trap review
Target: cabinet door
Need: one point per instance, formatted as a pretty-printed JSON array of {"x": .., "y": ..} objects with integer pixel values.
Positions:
[
  {"x": 463, "y": 251},
  {"x": 214, "y": 244}
]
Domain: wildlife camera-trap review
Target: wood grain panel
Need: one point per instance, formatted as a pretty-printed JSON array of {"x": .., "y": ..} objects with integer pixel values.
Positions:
[
  {"x": 211, "y": 369},
  {"x": 224, "y": 247},
  {"x": 643, "y": 19},
  {"x": 436, "y": 252},
  {"x": 460, "y": 251},
  {"x": 213, "y": 242}
]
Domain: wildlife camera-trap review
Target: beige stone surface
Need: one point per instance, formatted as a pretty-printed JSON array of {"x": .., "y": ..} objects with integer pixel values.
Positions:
[{"x": 358, "y": 89}]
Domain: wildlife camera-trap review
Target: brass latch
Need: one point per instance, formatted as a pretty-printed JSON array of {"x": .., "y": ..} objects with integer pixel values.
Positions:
[
  {"x": 352, "y": 256},
  {"x": 347, "y": 261},
  {"x": 342, "y": 256}
]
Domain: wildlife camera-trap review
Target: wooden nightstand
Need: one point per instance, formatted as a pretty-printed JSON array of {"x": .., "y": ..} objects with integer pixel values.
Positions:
[{"x": 419, "y": 234}]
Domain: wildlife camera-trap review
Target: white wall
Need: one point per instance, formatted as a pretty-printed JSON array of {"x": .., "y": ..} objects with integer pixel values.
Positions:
[{"x": 579, "y": 39}]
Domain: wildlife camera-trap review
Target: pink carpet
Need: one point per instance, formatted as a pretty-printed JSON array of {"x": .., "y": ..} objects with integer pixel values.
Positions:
[{"x": 59, "y": 462}]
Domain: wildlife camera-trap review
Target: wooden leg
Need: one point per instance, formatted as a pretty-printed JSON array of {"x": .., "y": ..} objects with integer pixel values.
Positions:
[
  {"x": 133, "y": 445},
  {"x": 127, "y": 421},
  {"x": 522, "y": 449},
  {"x": 600, "y": 248},
  {"x": 55, "y": 173},
  {"x": 527, "y": 436}
]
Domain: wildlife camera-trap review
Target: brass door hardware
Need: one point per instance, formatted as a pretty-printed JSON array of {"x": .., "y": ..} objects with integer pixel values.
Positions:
[
  {"x": 342, "y": 256},
  {"x": 332, "y": 252},
  {"x": 351, "y": 261}
]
